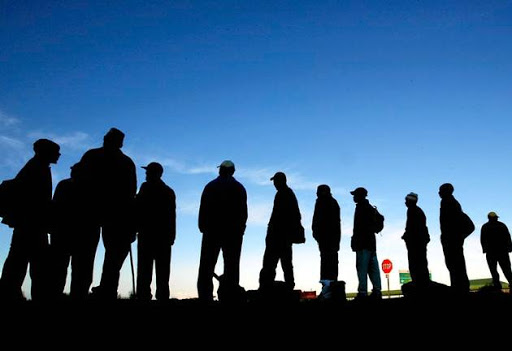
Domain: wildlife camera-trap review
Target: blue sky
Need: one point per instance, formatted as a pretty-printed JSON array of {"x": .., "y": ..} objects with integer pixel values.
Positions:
[{"x": 395, "y": 96}]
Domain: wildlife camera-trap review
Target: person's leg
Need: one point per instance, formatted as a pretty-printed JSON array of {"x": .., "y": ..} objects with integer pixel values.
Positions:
[
  {"x": 82, "y": 262},
  {"x": 163, "y": 271},
  {"x": 492, "y": 262},
  {"x": 374, "y": 274},
  {"x": 39, "y": 266},
  {"x": 504, "y": 261},
  {"x": 210, "y": 249},
  {"x": 117, "y": 249},
  {"x": 268, "y": 270},
  {"x": 287, "y": 265},
  {"x": 362, "y": 262},
  {"x": 231, "y": 251},
  {"x": 145, "y": 257},
  {"x": 15, "y": 266}
]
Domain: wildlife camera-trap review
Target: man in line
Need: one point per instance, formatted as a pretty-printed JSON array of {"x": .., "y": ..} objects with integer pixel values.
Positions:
[
  {"x": 222, "y": 220},
  {"x": 31, "y": 223},
  {"x": 416, "y": 238},
  {"x": 113, "y": 183},
  {"x": 496, "y": 245},
  {"x": 364, "y": 244},
  {"x": 283, "y": 224},
  {"x": 156, "y": 226}
]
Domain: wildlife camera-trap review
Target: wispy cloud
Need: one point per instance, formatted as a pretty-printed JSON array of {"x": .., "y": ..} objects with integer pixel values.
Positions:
[
  {"x": 74, "y": 141},
  {"x": 8, "y": 121},
  {"x": 11, "y": 142}
]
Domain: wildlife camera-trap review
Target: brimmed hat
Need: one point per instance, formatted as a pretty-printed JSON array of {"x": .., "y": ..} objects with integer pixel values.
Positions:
[
  {"x": 154, "y": 167},
  {"x": 359, "y": 191}
]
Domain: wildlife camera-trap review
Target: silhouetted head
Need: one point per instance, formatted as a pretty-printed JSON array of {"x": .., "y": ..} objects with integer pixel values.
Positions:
[
  {"x": 226, "y": 168},
  {"x": 76, "y": 170},
  {"x": 445, "y": 190},
  {"x": 492, "y": 216},
  {"x": 411, "y": 199},
  {"x": 154, "y": 170},
  {"x": 359, "y": 194},
  {"x": 279, "y": 180},
  {"x": 47, "y": 150},
  {"x": 113, "y": 139},
  {"x": 323, "y": 191}
]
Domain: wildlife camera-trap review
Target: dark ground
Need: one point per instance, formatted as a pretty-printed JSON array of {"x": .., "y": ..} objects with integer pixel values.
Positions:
[{"x": 483, "y": 316}]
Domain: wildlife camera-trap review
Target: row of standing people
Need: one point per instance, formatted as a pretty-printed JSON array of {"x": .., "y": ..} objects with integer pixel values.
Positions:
[{"x": 101, "y": 198}]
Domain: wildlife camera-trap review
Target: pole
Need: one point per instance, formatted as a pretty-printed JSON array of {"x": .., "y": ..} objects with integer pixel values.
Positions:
[
  {"x": 133, "y": 272},
  {"x": 389, "y": 292}
]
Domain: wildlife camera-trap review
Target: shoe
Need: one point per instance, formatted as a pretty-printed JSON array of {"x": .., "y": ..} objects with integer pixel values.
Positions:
[
  {"x": 361, "y": 297},
  {"x": 375, "y": 296}
]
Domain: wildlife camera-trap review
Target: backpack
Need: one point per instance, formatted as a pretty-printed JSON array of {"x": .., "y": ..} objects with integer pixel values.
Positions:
[
  {"x": 378, "y": 220},
  {"x": 8, "y": 201}
]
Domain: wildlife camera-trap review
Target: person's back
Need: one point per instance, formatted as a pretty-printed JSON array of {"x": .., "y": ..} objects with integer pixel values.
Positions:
[
  {"x": 223, "y": 206},
  {"x": 285, "y": 217},
  {"x": 495, "y": 237},
  {"x": 156, "y": 210}
]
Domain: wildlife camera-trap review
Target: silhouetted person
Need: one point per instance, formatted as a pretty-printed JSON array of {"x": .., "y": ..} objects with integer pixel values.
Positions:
[
  {"x": 496, "y": 244},
  {"x": 452, "y": 239},
  {"x": 222, "y": 220},
  {"x": 327, "y": 232},
  {"x": 29, "y": 243},
  {"x": 284, "y": 221},
  {"x": 113, "y": 182},
  {"x": 156, "y": 227},
  {"x": 64, "y": 224},
  {"x": 416, "y": 238},
  {"x": 364, "y": 244},
  {"x": 75, "y": 234}
]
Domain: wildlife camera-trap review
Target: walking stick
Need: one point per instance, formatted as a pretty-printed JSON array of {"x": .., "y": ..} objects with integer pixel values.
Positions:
[{"x": 133, "y": 272}]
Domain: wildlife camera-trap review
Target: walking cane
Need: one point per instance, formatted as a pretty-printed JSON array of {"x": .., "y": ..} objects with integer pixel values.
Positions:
[{"x": 133, "y": 272}]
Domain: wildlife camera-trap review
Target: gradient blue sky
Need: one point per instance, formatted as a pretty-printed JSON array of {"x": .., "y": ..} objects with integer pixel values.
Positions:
[{"x": 395, "y": 96}]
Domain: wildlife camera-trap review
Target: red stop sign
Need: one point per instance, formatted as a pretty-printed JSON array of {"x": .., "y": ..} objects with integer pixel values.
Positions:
[{"x": 387, "y": 266}]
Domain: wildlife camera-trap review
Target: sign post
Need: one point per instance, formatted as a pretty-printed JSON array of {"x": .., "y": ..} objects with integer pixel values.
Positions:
[{"x": 387, "y": 266}]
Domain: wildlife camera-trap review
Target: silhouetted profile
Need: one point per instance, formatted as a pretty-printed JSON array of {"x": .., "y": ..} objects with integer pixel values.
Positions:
[
  {"x": 222, "y": 220},
  {"x": 364, "y": 244},
  {"x": 284, "y": 222},
  {"x": 155, "y": 205},
  {"x": 416, "y": 238},
  {"x": 496, "y": 244},
  {"x": 113, "y": 182},
  {"x": 452, "y": 238},
  {"x": 29, "y": 243},
  {"x": 326, "y": 228}
]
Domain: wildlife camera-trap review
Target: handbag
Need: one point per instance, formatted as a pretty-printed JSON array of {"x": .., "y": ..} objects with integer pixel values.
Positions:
[{"x": 299, "y": 235}]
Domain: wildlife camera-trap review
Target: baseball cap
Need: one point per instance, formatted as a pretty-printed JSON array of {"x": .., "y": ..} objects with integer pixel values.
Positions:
[
  {"x": 359, "y": 191},
  {"x": 412, "y": 196},
  {"x": 154, "y": 167},
  {"x": 279, "y": 175},
  {"x": 227, "y": 164},
  {"x": 492, "y": 214}
]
